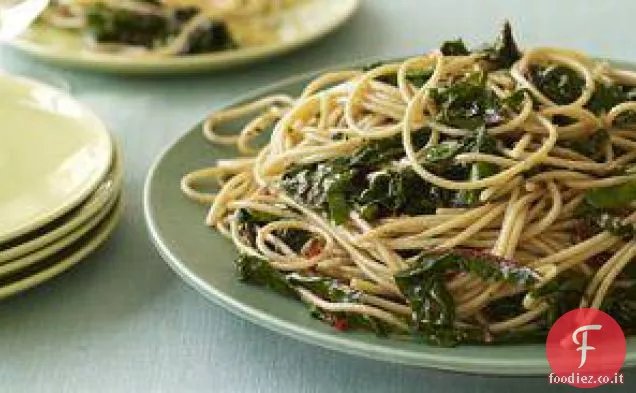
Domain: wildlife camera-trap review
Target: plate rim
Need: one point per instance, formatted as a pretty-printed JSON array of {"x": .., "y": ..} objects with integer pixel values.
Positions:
[
  {"x": 98, "y": 127},
  {"x": 33, "y": 258},
  {"x": 337, "y": 343},
  {"x": 100, "y": 236},
  {"x": 194, "y": 63},
  {"x": 34, "y": 244}
]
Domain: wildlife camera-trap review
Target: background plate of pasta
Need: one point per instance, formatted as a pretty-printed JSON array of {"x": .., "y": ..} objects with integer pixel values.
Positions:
[
  {"x": 165, "y": 36},
  {"x": 441, "y": 211}
]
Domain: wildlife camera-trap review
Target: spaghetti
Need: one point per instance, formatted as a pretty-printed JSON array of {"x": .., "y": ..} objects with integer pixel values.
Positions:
[
  {"x": 458, "y": 196},
  {"x": 167, "y": 27}
]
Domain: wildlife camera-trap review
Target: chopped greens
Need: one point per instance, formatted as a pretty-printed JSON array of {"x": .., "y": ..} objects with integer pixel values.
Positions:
[
  {"x": 294, "y": 238},
  {"x": 349, "y": 321},
  {"x": 591, "y": 147},
  {"x": 371, "y": 183},
  {"x": 601, "y": 220},
  {"x": 390, "y": 79},
  {"x": 560, "y": 84},
  {"x": 606, "y": 97},
  {"x": 249, "y": 221},
  {"x": 335, "y": 292},
  {"x": 562, "y": 294},
  {"x": 245, "y": 216},
  {"x": 338, "y": 186},
  {"x": 504, "y": 52},
  {"x": 258, "y": 272},
  {"x": 479, "y": 170},
  {"x": 505, "y": 308},
  {"x": 515, "y": 100},
  {"x": 399, "y": 192},
  {"x": 468, "y": 104},
  {"x": 454, "y": 48},
  {"x": 511, "y": 307},
  {"x": 111, "y": 25},
  {"x": 417, "y": 77},
  {"x": 620, "y": 304},
  {"x": 325, "y": 287},
  {"x": 612, "y": 197},
  {"x": 382, "y": 151},
  {"x": 213, "y": 36},
  {"x": 604, "y": 209},
  {"x": 563, "y": 85},
  {"x": 423, "y": 284},
  {"x": 325, "y": 186}
]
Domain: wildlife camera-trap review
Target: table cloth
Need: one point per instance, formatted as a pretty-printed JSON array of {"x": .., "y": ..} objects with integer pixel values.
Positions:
[{"x": 122, "y": 321}]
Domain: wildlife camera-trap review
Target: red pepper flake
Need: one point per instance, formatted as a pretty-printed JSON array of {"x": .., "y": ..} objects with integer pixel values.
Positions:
[
  {"x": 341, "y": 324},
  {"x": 314, "y": 249}
]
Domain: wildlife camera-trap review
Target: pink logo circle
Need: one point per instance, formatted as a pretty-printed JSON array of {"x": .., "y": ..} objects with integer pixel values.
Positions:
[{"x": 585, "y": 348}]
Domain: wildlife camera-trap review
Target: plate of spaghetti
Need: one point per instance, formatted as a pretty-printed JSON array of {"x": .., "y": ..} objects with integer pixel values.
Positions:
[
  {"x": 162, "y": 36},
  {"x": 440, "y": 211}
]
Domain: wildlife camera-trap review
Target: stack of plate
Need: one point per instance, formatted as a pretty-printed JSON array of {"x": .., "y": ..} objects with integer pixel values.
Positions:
[{"x": 60, "y": 181}]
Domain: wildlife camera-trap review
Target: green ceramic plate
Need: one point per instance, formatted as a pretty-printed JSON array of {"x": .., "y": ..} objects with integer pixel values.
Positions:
[
  {"x": 300, "y": 25},
  {"x": 64, "y": 259},
  {"x": 13, "y": 252},
  {"x": 204, "y": 259},
  {"x": 29, "y": 260},
  {"x": 54, "y": 153}
]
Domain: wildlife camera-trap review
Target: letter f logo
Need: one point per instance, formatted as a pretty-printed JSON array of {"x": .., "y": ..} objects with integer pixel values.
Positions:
[{"x": 583, "y": 345}]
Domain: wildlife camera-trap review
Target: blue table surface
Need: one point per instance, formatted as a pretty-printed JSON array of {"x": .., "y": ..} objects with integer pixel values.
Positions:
[{"x": 123, "y": 322}]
